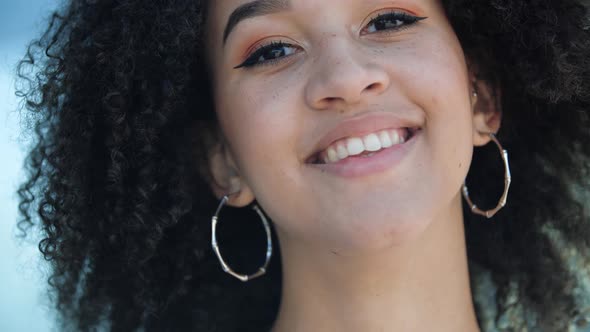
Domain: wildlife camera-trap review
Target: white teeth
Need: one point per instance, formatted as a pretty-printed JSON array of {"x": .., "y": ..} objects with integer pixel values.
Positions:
[
  {"x": 355, "y": 146},
  {"x": 385, "y": 139},
  {"x": 342, "y": 151},
  {"x": 394, "y": 137},
  {"x": 332, "y": 155},
  {"x": 372, "y": 143}
]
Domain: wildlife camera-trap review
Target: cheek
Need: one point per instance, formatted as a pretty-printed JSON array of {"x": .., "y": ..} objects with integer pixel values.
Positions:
[
  {"x": 433, "y": 73},
  {"x": 449, "y": 116},
  {"x": 261, "y": 120}
]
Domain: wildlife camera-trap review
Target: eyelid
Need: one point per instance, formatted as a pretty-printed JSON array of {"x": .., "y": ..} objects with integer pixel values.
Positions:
[
  {"x": 264, "y": 43},
  {"x": 372, "y": 15},
  {"x": 384, "y": 11}
]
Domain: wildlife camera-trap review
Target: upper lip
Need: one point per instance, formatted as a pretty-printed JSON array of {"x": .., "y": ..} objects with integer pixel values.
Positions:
[{"x": 360, "y": 126}]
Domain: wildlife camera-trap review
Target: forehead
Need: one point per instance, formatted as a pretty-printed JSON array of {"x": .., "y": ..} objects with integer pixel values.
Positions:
[
  {"x": 223, "y": 7},
  {"x": 224, "y": 15}
]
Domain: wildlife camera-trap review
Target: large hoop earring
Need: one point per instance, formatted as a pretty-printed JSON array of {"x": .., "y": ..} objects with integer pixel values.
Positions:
[
  {"x": 224, "y": 266},
  {"x": 507, "y": 179}
]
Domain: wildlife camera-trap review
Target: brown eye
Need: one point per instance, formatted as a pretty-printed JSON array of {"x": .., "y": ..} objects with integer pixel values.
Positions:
[
  {"x": 391, "y": 21},
  {"x": 268, "y": 54}
]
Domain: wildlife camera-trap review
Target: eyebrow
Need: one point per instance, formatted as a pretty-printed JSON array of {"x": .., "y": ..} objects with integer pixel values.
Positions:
[{"x": 253, "y": 9}]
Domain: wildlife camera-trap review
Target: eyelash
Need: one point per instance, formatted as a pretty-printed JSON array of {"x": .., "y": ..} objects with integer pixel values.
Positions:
[
  {"x": 407, "y": 20},
  {"x": 252, "y": 60}
]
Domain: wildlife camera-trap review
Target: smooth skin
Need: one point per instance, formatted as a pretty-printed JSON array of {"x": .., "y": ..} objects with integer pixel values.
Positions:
[{"x": 378, "y": 252}]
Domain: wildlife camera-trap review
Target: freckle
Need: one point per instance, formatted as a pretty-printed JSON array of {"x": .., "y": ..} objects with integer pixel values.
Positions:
[{"x": 460, "y": 164}]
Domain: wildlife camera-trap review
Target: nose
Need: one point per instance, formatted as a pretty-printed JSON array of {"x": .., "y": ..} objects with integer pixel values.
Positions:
[{"x": 344, "y": 76}]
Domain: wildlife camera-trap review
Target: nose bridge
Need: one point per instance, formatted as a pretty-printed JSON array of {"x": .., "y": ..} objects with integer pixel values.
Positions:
[{"x": 343, "y": 73}]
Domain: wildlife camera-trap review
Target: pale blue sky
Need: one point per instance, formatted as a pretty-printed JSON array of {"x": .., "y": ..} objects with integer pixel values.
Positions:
[{"x": 23, "y": 304}]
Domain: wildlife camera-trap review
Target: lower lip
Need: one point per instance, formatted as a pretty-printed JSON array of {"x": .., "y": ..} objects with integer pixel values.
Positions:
[{"x": 357, "y": 166}]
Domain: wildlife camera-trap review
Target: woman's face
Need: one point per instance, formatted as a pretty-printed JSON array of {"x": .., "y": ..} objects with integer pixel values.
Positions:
[{"x": 300, "y": 84}]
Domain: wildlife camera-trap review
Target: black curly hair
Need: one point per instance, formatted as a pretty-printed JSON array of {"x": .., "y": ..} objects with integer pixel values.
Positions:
[{"x": 117, "y": 94}]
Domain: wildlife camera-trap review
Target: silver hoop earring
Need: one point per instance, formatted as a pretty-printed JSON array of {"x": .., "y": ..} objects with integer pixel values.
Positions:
[
  {"x": 507, "y": 179},
  {"x": 224, "y": 266}
]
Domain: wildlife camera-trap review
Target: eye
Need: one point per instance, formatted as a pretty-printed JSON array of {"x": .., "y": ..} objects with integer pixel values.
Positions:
[
  {"x": 269, "y": 54},
  {"x": 390, "y": 21}
]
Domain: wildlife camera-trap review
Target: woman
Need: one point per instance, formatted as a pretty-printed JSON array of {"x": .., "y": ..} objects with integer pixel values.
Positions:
[{"x": 357, "y": 127}]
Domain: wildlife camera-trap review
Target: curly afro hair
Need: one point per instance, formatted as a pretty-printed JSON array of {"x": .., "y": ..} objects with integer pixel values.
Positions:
[{"x": 117, "y": 94}]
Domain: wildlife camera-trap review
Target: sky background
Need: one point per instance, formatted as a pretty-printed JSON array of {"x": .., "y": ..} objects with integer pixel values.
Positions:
[{"x": 23, "y": 302}]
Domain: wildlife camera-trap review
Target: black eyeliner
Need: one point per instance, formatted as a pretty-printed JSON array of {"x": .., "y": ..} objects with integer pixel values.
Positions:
[
  {"x": 258, "y": 52},
  {"x": 407, "y": 19},
  {"x": 398, "y": 15}
]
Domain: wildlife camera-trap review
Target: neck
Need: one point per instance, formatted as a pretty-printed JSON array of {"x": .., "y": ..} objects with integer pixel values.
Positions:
[{"x": 421, "y": 285}]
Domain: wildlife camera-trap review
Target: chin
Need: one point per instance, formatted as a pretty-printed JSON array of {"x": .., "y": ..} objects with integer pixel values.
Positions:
[{"x": 374, "y": 233}]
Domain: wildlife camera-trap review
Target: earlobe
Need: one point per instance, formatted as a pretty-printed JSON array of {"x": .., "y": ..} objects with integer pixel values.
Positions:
[
  {"x": 225, "y": 178},
  {"x": 487, "y": 114}
]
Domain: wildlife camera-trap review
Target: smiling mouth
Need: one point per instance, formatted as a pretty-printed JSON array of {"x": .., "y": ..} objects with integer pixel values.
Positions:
[{"x": 364, "y": 146}]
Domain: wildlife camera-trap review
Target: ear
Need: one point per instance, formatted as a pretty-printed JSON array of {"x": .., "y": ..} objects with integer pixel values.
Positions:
[
  {"x": 225, "y": 178},
  {"x": 487, "y": 113}
]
